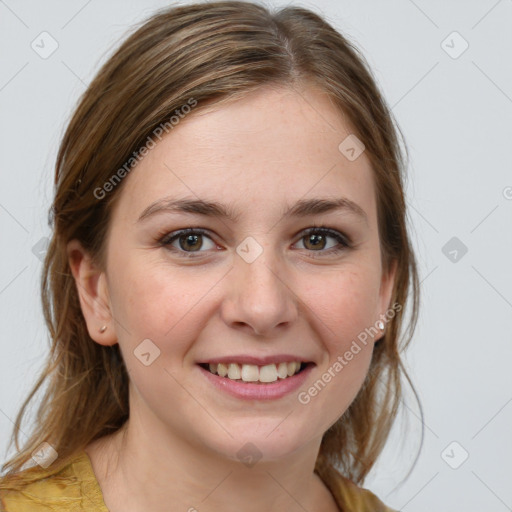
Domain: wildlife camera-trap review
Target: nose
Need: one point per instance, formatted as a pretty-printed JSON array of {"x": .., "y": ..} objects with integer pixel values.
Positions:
[{"x": 260, "y": 299}]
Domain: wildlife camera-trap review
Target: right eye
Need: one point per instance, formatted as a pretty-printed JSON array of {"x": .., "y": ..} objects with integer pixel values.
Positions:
[{"x": 190, "y": 238}]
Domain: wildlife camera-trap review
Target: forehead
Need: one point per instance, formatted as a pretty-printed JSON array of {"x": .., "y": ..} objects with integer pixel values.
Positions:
[{"x": 274, "y": 146}]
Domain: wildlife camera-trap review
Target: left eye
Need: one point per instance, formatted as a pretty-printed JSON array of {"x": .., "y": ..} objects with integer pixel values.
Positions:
[
  {"x": 318, "y": 236},
  {"x": 190, "y": 241}
]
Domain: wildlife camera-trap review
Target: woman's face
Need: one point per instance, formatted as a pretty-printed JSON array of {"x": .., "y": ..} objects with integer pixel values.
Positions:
[{"x": 252, "y": 285}]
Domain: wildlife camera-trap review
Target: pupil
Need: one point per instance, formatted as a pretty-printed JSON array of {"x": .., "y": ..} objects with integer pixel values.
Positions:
[
  {"x": 192, "y": 238},
  {"x": 318, "y": 238}
]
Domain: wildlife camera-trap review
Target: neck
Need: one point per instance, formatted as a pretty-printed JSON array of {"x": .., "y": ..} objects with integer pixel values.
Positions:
[{"x": 138, "y": 471}]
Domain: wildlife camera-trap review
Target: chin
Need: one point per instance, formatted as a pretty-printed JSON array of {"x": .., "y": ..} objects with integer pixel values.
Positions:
[{"x": 250, "y": 445}]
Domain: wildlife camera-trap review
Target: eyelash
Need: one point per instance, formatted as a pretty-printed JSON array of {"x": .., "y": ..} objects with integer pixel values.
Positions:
[{"x": 343, "y": 241}]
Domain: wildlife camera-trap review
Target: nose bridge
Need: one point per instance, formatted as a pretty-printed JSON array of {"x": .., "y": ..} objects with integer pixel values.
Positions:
[
  {"x": 259, "y": 295},
  {"x": 259, "y": 269},
  {"x": 263, "y": 275}
]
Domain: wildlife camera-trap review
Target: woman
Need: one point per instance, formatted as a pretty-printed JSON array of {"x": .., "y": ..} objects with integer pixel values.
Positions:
[{"x": 226, "y": 281}]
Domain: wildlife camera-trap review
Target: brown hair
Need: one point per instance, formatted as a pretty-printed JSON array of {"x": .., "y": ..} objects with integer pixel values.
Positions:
[{"x": 213, "y": 52}]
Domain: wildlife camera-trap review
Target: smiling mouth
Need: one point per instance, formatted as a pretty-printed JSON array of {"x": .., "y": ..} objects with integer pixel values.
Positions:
[{"x": 256, "y": 374}]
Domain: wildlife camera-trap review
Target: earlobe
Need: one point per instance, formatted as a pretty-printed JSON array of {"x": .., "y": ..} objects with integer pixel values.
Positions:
[{"x": 93, "y": 294}]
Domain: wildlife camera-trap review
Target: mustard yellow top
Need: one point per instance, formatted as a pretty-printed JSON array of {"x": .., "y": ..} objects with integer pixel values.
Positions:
[{"x": 74, "y": 488}]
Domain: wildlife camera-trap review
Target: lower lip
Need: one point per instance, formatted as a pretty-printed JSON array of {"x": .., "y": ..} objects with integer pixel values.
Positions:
[{"x": 251, "y": 391}]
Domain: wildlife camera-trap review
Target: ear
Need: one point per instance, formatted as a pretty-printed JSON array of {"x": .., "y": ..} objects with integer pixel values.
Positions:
[
  {"x": 92, "y": 288},
  {"x": 386, "y": 290}
]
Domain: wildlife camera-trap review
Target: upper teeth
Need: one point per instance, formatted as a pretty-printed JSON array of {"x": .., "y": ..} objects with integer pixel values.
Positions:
[{"x": 254, "y": 373}]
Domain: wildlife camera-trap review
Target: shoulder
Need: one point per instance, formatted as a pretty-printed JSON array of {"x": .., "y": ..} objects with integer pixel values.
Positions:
[
  {"x": 69, "y": 488},
  {"x": 349, "y": 496},
  {"x": 359, "y": 499}
]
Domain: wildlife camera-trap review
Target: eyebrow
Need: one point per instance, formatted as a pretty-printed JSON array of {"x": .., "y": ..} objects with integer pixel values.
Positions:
[{"x": 302, "y": 208}]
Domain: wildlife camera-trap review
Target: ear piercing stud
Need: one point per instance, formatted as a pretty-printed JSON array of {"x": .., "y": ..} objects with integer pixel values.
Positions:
[
  {"x": 380, "y": 325},
  {"x": 103, "y": 329}
]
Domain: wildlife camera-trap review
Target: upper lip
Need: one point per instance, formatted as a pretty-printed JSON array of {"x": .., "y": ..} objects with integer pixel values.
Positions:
[{"x": 259, "y": 361}]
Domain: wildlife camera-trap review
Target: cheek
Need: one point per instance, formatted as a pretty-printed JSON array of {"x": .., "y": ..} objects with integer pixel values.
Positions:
[
  {"x": 344, "y": 306},
  {"x": 160, "y": 302},
  {"x": 344, "y": 315},
  {"x": 346, "y": 302}
]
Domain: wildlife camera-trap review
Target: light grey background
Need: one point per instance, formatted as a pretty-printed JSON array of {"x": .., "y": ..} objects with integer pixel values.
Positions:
[{"x": 456, "y": 115}]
